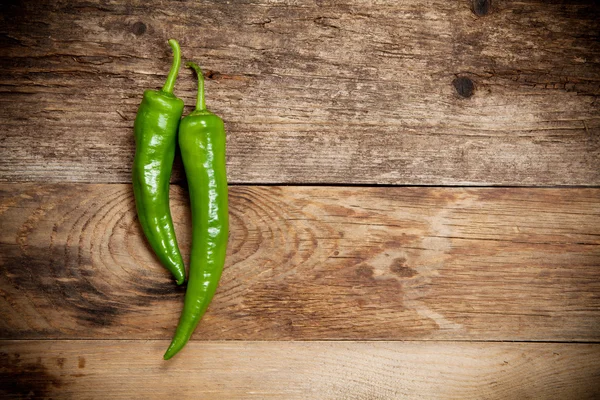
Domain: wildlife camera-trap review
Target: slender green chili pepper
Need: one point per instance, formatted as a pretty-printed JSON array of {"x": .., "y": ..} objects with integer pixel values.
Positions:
[
  {"x": 202, "y": 143},
  {"x": 155, "y": 129}
]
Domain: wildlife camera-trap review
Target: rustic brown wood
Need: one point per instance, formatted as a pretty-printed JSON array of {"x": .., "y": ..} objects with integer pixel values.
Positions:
[
  {"x": 314, "y": 92},
  {"x": 299, "y": 370},
  {"x": 470, "y": 92},
  {"x": 311, "y": 263}
]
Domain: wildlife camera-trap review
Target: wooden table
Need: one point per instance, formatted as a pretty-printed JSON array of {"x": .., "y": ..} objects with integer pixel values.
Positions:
[{"x": 415, "y": 200}]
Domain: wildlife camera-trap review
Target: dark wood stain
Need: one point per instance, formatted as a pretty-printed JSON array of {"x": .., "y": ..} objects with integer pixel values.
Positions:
[
  {"x": 364, "y": 271},
  {"x": 37, "y": 270},
  {"x": 81, "y": 362},
  {"x": 161, "y": 290},
  {"x": 26, "y": 380},
  {"x": 399, "y": 268}
]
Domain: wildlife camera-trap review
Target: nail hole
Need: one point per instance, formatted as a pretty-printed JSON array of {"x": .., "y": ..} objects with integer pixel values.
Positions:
[
  {"x": 481, "y": 7},
  {"x": 214, "y": 75},
  {"x": 464, "y": 86},
  {"x": 138, "y": 28}
]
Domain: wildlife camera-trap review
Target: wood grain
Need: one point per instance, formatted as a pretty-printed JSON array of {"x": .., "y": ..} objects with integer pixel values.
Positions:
[
  {"x": 311, "y": 263},
  {"x": 388, "y": 92},
  {"x": 102, "y": 369}
]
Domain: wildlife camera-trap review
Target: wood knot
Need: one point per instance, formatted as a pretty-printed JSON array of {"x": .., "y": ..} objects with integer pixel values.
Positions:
[
  {"x": 139, "y": 28},
  {"x": 481, "y": 7},
  {"x": 464, "y": 86}
]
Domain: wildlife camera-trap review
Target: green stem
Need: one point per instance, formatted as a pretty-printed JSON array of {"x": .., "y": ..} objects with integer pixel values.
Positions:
[
  {"x": 170, "y": 83},
  {"x": 200, "y": 103}
]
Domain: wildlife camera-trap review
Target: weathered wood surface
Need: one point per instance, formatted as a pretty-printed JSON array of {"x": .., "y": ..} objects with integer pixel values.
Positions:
[
  {"x": 101, "y": 369},
  {"x": 312, "y": 91},
  {"x": 365, "y": 92},
  {"x": 311, "y": 263}
]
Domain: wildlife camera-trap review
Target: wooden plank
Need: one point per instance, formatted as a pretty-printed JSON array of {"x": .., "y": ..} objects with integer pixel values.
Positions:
[
  {"x": 310, "y": 263},
  {"x": 299, "y": 370},
  {"x": 363, "y": 92}
]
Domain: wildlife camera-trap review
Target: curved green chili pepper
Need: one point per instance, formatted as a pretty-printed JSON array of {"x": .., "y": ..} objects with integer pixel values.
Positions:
[
  {"x": 202, "y": 143},
  {"x": 155, "y": 129}
]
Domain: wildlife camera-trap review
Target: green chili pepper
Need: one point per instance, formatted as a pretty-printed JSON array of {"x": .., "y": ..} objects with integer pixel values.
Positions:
[
  {"x": 155, "y": 129},
  {"x": 202, "y": 143}
]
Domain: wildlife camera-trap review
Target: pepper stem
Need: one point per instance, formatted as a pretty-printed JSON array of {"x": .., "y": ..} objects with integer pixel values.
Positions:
[
  {"x": 200, "y": 103},
  {"x": 170, "y": 82}
]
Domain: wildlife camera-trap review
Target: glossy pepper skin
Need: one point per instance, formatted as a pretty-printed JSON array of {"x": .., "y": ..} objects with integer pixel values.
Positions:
[
  {"x": 155, "y": 129},
  {"x": 202, "y": 144}
]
